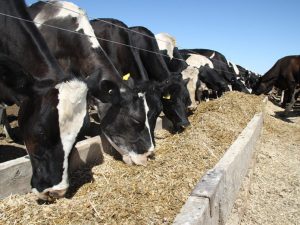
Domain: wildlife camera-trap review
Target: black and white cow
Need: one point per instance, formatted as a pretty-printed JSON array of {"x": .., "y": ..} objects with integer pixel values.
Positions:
[
  {"x": 52, "y": 103},
  {"x": 176, "y": 99},
  {"x": 128, "y": 63},
  {"x": 173, "y": 58},
  {"x": 190, "y": 66},
  {"x": 240, "y": 84},
  {"x": 218, "y": 64},
  {"x": 122, "y": 111},
  {"x": 285, "y": 75},
  {"x": 214, "y": 87},
  {"x": 250, "y": 78},
  {"x": 211, "y": 54}
]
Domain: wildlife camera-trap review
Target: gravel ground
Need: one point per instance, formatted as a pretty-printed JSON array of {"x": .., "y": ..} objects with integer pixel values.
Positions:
[{"x": 275, "y": 188}]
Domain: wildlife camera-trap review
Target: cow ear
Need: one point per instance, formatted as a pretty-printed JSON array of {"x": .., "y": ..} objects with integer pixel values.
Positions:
[
  {"x": 104, "y": 90},
  {"x": 186, "y": 81}
]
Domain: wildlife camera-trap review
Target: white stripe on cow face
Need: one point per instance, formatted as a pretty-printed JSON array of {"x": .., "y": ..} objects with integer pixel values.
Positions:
[
  {"x": 212, "y": 55},
  {"x": 236, "y": 70},
  {"x": 72, "y": 108},
  {"x": 146, "y": 121},
  {"x": 198, "y": 61},
  {"x": 166, "y": 42},
  {"x": 66, "y": 9}
]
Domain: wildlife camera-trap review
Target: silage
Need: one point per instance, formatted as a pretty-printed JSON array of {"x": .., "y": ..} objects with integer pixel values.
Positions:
[{"x": 122, "y": 194}]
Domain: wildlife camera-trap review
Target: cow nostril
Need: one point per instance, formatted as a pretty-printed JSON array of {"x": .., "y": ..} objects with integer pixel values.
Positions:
[
  {"x": 185, "y": 125},
  {"x": 151, "y": 155},
  {"x": 57, "y": 193}
]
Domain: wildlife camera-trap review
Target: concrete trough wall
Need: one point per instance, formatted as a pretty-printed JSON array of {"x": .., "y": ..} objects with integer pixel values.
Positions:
[{"x": 213, "y": 197}]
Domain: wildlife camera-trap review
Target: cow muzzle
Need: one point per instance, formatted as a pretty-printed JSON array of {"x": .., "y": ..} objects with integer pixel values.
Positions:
[
  {"x": 138, "y": 159},
  {"x": 50, "y": 195},
  {"x": 192, "y": 107}
]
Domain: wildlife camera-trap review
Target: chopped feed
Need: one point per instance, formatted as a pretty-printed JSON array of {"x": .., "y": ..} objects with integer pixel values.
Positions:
[{"x": 122, "y": 194}]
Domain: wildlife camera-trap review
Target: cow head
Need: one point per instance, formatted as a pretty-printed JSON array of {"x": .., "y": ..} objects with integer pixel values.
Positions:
[
  {"x": 50, "y": 122},
  {"x": 175, "y": 100},
  {"x": 251, "y": 80},
  {"x": 239, "y": 85},
  {"x": 262, "y": 87},
  {"x": 123, "y": 119}
]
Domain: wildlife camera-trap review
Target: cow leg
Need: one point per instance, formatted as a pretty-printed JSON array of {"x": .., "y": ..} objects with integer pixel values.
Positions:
[
  {"x": 282, "y": 97},
  {"x": 286, "y": 98},
  {"x": 292, "y": 100}
]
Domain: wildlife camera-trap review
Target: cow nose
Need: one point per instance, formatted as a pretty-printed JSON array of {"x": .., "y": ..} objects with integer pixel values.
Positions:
[
  {"x": 185, "y": 124},
  {"x": 192, "y": 108},
  {"x": 57, "y": 193}
]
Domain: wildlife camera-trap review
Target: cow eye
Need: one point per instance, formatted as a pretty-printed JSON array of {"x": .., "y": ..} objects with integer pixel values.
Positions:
[
  {"x": 110, "y": 91},
  {"x": 138, "y": 122},
  {"x": 38, "y": 170}
]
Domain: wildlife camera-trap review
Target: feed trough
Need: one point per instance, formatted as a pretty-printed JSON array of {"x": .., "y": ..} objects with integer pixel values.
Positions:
[{"x": 115, "y": 193}]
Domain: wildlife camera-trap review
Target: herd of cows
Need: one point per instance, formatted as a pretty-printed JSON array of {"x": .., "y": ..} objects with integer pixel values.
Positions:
[{"x": 54, "y": 69}]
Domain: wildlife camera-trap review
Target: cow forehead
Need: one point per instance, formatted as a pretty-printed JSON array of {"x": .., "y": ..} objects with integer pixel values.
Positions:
[{"x": 64, "y": 10}]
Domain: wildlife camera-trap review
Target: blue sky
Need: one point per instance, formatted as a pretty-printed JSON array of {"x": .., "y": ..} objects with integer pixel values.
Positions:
[{"x": 253, "y": 34}]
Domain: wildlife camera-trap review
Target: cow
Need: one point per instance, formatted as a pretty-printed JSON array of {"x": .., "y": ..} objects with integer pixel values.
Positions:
[
  {"x": 173, "y": 58},
  {"x": 189, "y": 66},
  {"x": 226, "y": 68},
  {"x": 215, "y": 61},
  {"x": 285, "y": 75},
  {"x": 207, "y": 73},
  {"x": 127, "y": 63},
  {"x": 211, "y": 54},
  {"x": 52, "y": 103},
  {"x": 213, "y": 83},
  {"x": 176, "y": 99},
  {"x": 122, "y": 111},
  {"x": 248, "y": 77}
]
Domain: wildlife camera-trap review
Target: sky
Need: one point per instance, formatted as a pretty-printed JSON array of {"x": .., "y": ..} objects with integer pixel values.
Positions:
[{"x": 251, "y": 33}]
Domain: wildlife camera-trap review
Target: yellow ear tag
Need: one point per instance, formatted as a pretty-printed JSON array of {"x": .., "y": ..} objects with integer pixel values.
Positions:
[
  {"x": 126, "y": 76},
  {"x": 168, "y": 96}
]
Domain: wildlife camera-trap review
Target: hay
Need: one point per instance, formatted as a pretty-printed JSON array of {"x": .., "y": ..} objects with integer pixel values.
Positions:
[{"x": 120, "y": 194}]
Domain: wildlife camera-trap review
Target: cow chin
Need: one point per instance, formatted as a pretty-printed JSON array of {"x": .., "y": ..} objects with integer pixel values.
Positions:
[{"x": 130, "y": 157}]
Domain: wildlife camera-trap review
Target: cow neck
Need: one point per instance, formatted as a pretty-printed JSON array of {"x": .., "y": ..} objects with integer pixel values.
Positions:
[
  {"x": 272, "y": 74},
  {"x": 34, "y": 56},
  {"x": 109, "y": 71},
  {"x": 160, "y": 71}
]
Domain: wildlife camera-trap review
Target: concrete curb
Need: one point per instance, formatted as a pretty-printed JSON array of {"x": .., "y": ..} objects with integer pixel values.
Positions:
[{"x": 212, "y": 199}]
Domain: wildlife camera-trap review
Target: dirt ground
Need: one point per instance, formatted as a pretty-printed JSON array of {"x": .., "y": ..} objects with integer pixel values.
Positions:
[{"x": 275, "y": 187}]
